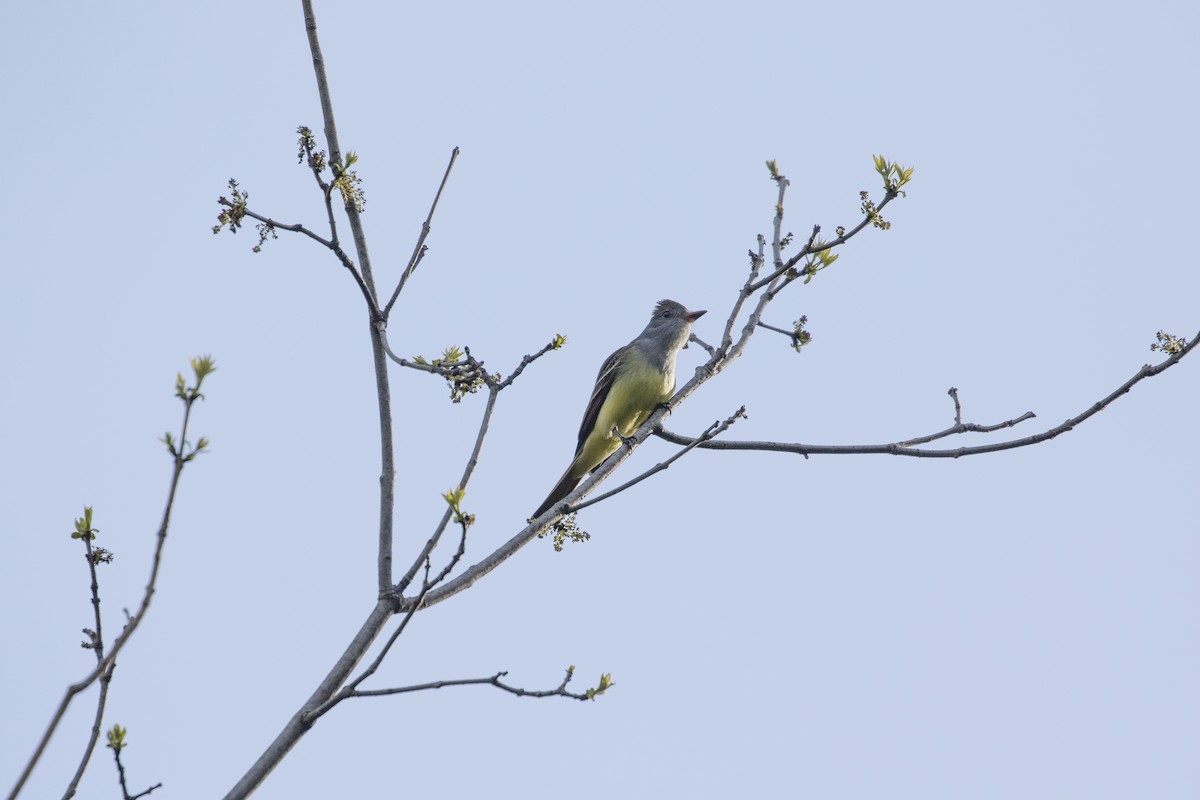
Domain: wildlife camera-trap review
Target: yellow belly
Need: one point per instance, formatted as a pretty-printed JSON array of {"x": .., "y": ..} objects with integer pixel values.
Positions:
[{"x": 629, "y": 404}]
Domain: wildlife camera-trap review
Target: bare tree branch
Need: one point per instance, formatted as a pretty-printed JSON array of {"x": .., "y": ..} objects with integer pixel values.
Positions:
[
  {"x": 335, "y": 147},
  {"x": 121, "y": 777},
  {"x": 315, "y": 166},
  {"x": 965, "y": 427},
  {"x": 905, "y": 448},
  {"x": 283, "y": 226},
  {"x": 561, "y": 691},
  {"x": 419, "y": 250},
  {"x": 708, "y": 348},
  {"x": 453, "y": 562},
  {"x": 756, "y": 262},
  {"x": 331, "y": 244},
  {"x": 94, "y": 735},
  {"x": 526, "y": 361},
  {"x": 790, "y": 334},
  {"x": 463, "y": 370},
  {"x": 97, "y": 646}
]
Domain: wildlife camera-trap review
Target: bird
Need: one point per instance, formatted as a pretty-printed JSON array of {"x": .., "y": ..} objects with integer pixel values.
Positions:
[{"x": 632, "y": 382}]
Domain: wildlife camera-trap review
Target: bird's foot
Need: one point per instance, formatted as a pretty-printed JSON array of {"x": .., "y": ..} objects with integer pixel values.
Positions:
[{"x": 625, "y": 440}]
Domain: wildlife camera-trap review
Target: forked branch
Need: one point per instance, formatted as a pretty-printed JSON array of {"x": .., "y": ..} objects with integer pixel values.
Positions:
[{"x": 561, "y": 691}]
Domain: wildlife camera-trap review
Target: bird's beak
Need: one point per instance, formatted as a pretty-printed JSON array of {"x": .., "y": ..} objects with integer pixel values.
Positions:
[{"x": 692, "y": 316}]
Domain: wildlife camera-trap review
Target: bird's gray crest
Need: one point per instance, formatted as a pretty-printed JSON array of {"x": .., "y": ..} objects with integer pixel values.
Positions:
[{"x": 669, "y": 306}]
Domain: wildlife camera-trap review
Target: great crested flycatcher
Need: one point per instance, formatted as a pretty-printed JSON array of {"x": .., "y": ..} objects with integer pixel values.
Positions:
[{"x": 632, "y": 382}]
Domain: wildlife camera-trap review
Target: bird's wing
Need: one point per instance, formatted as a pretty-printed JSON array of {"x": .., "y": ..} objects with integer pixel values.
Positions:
[{"x": 604, "y": 383}]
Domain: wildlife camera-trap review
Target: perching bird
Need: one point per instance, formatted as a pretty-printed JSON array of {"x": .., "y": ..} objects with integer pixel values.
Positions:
[{"x": 633, "y": 381}]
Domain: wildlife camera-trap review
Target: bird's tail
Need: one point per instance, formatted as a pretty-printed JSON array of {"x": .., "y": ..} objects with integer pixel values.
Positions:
[{"x": 563, "y": 488}]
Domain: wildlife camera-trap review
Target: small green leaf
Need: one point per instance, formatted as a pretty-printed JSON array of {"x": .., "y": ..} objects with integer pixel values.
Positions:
[
  {"x": 606, "y": 683},
  {"x": 116, "y": 737},
  {"x": 83, "y": 526},
  {"x": 454, "y": 498}
]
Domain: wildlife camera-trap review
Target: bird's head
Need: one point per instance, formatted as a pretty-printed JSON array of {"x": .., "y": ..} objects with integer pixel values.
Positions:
[{"x": 668, "y": 313}]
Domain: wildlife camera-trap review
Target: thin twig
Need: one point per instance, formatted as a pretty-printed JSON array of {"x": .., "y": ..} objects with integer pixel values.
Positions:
[
  {"x": 121, "y": 777},
  {"x": 739, "y": 347},
  {"x": 326, "y": 190},
  {"x": 790, "y": 334},
  {"x": 756, "y": 262},
  {"x": 561, "y": 691},
  {"x": 335, "y": 147},
  {"x": 451, "y": 564},
  {"x": 708, "y": 348},
  {"x": 97, "y": 645},
  {"x": 953, "y": 392},
  {"x": 463, "y": 369},
  {"x": 333, "y": 246},
  {"x": 468, "y": 471},
  {"x": 94, "y": 736},
  {"x": 525, "y": 362},
  {"x": 813, "y": 248},
  {"x": 282, "y": 226},
  {"x": 419, "y": 250},
  {"x": 965, "y": 427},
  {"x": 777, "y": 239}
]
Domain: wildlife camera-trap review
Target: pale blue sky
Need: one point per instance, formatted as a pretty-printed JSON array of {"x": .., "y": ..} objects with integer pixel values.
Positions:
[{"x": 1021, "y": 624}]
